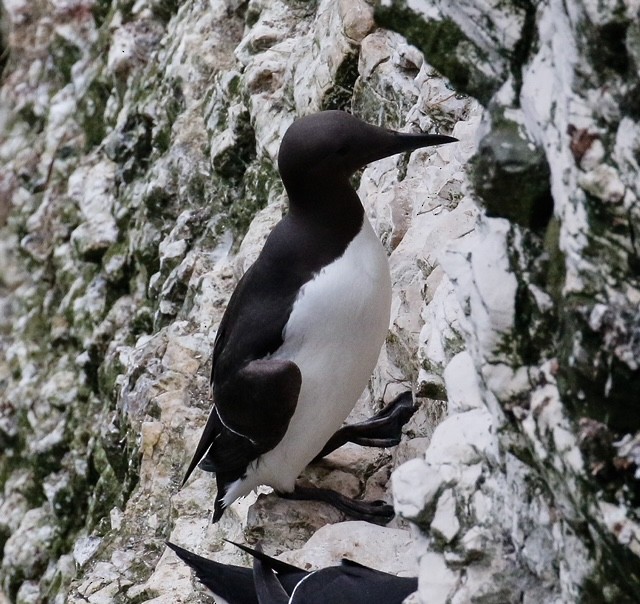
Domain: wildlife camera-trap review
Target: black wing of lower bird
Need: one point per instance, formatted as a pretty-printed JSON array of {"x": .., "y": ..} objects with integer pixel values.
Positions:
[
  {"x": 353, "y": 583},
  {"x": 349, "y": 583},
  {"x": 269, "y": 590}
]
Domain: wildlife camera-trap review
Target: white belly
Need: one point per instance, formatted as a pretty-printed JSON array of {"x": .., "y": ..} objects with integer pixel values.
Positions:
[{"x": 334, "y": 334}]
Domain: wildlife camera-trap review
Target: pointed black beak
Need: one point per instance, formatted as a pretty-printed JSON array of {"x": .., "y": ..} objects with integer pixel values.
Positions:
[
  {"x": 390, "y": 142},
  {"x": 417, "y": 140}
]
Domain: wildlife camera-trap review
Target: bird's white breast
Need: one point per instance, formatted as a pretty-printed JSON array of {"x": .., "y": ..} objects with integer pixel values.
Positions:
[{"x": 334, "y": 334}]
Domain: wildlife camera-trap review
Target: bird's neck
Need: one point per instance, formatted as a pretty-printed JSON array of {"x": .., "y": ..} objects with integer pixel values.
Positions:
[{"x": 328, "y": 199}]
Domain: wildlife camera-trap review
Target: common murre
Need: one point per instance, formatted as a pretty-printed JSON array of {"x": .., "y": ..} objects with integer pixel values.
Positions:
[
  {"x": 272, "y": 581},
  {"x": 303, "y": 329}
]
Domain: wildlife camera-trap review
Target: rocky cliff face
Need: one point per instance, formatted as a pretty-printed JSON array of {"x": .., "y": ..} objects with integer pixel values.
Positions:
[{"x": 137, "y": 146}]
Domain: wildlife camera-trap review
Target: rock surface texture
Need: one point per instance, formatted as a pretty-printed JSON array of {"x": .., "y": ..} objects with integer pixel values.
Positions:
[{"x": 138, "y": 142}]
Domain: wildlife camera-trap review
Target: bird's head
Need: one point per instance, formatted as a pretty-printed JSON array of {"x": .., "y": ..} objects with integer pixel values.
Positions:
[{"x": 333, "y": 145}]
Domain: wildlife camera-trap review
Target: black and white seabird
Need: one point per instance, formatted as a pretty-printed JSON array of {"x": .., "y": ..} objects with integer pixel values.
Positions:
[
  {"x": 303, "y": 329},
  {"x": 275, "y": 582}
]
